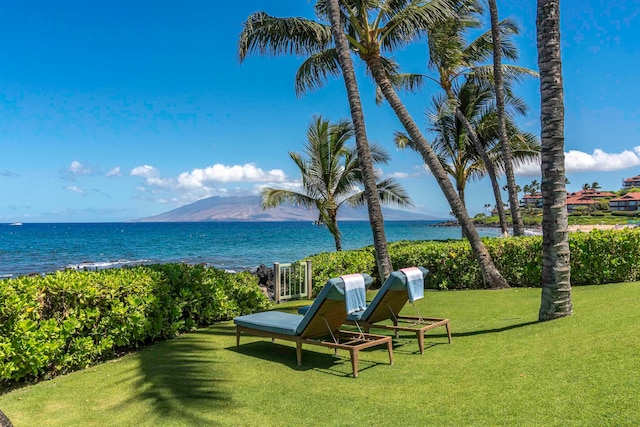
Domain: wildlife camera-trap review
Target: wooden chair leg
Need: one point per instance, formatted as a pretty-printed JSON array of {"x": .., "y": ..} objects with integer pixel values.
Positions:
[
  {"x": 448, "y": 331},
  {"x": 299, "y": 353},
  {"x": 354, "y": 362},
  {"x": 237, "y": 338},
  {"x": 390, "y": 350},
  {"x": 420, "y": 335}
]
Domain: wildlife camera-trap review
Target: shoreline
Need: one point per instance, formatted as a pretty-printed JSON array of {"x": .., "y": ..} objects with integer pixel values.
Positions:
[{"x": 583, "y": 228}]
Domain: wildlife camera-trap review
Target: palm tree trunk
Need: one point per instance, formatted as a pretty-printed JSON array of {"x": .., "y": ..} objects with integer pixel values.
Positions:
[
  {"x": 383, "y": 260},
  {"x": 333, "y": 217},
  {"x": 460, "y": 189},
  {"x": 491, "y": 170},
  {"x": 516, "y": 218},
  {"x": 556, "y": 269},
  {"x": 491, "y": 275}
]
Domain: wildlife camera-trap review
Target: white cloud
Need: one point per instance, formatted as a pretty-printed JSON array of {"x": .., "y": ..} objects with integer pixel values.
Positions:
[
  {"x": 114, "y": 172},
  {"x": 200, "y": 183},
  {"x": 222, "y": 173},
  {"x": 152, "y": 178},
  {"x": 75, "y": 189},
  {"x": 76, "y": 169},
  {"x": 598, "y": 161},
  {"x": 399, "y": 175}
]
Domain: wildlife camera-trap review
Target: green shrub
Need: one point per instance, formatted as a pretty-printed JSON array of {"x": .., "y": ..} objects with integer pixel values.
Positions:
[
  {"x": 597, "y": 257},
  {"x": 333, "y": 264},
  {"x": 625, "y": 213},
  {"x": 68, "y": 320}
]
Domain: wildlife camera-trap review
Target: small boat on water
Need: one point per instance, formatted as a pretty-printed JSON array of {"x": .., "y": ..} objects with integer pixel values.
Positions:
[{"x": 15, "y": 223}]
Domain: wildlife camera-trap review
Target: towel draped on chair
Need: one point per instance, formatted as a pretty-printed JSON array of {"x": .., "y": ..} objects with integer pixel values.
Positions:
[
  {"x": 415, "y": 283},
  {"x": 355, "y": 293}
]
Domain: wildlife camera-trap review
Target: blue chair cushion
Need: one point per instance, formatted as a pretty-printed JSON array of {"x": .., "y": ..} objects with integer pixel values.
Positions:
[{"x": 271, "y": 321}]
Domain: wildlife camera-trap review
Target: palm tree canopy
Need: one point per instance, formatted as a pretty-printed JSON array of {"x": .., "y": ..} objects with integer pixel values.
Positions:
[
  {"x": 330, "y": 173},
  {"x": 371, "y": 27},
  {"x": 452, "y": 143}
]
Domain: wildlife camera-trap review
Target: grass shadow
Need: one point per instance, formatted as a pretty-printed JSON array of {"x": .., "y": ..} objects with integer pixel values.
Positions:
[
  {"x": 182, "y": 379},
  {"x": 494, "y": 330},
  {"x": 338, "y": 365}
]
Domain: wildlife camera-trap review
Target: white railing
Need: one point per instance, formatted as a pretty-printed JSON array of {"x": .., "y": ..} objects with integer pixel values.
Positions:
[{"x": 293, "y": 280}]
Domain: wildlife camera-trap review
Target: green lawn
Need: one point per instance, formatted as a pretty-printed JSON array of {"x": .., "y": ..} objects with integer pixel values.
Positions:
[{"x": 503, "y": 368}]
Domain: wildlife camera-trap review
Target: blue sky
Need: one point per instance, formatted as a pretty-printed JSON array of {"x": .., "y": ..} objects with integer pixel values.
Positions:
[{"x": 112, "y": 111}]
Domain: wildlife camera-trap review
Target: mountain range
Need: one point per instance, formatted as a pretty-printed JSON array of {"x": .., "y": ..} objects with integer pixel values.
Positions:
[{"x": 247, "y": 208}]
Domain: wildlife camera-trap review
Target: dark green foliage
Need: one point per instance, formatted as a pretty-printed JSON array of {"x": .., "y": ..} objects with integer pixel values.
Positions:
[
  {"x": 67, "y": 320},
  {"x": 597, "y": 257},
  {"x": 625, "y": 213},
  {"x": 333, "y": 264}
]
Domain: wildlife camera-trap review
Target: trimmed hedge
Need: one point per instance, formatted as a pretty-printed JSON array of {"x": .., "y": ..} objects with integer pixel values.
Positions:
[
  {"x": 68, "y": 320},
  {"x": 597, "y": 257}
]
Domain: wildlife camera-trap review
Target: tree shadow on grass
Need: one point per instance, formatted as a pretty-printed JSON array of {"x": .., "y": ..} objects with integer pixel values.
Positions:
[
  {"x": 339, "y": 365},
  {"x": 494, "y": 330},
  {"x": 182, "y": 379}
]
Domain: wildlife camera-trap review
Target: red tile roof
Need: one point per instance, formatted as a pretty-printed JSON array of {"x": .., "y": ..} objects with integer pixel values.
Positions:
[{"x": 628, "y": 196}]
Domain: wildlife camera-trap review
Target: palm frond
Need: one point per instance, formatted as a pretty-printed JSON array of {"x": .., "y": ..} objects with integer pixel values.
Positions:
[
  {"x": 273, "y": 197},
  {"x": 267, "y": 35},
  {"x": 392, "y": 193},
  {"x": 315, "y": 70},
  {"x": 481, "y": 49},
  {"x": 511, "y": 74},
  {"x": 412, "y": 21}
]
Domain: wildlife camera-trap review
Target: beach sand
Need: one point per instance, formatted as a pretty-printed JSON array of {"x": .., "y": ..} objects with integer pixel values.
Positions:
[{"x": 591, "y": 227}]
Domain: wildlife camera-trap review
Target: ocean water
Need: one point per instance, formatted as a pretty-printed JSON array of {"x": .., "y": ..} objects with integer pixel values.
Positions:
[{"x": 42, "y": 248}]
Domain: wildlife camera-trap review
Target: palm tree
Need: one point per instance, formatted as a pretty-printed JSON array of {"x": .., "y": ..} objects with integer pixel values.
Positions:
[
  {"x": 450, "y": 57},
  {"x": 556, "y": 268},
  {"x": 383, "y": 260},
  {"x": 331, "y": 172},
  {"x": 586, "y": 186},
  {"x": 595, "y": 185},
  {"x": 453, "y": 146},
  {"x": 533, "y": 188},
  {"x": 395, "y": 23},
  {"x": 269, "y": 35},
  {"x": 516, "y": 218}
]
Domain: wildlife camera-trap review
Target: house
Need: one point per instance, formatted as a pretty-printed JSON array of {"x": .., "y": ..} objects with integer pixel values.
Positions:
[
  {"x": 592, "y": 194},
  {"x": 579, "y": 201},
  {"x": 632, "y": 182},
  {"x": 628, "y": 202},
  {"x": 529, "y": 201}
]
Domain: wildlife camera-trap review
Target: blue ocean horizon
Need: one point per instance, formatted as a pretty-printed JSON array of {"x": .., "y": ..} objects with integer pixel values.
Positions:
[{"x": 37, "y": 248}]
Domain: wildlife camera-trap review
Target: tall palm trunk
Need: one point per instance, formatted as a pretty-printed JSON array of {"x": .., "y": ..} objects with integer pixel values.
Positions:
[
  {"x": 491, "y": 170},
  {"x": 460, "y": 188},
  {"x": 516, "y": 218},
  {"x": 333, "y": 218},
  {"x": 556, "y": 269},
  {"x": 383, "y": 260},
  {"x": 491, "y": 275}
]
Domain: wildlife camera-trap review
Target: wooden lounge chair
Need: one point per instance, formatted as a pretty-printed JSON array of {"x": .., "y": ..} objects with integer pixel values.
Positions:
[
  {"x": 386, "y": 305},
  {"x": 319, "y": 326}
]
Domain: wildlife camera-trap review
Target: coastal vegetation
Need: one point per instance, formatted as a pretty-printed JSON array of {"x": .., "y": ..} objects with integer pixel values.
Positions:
[
  {"x": 598, "y": 257},
  {"x": 69, "y": 320},
  {"x": 500, "y": 363},
  {"x": 331, "y": 173}
]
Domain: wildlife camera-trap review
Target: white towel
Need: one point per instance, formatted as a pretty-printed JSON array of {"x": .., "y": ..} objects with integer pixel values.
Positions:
[
  {"x": 415, "y": 282},
  {"x": 354, "y": 292}
]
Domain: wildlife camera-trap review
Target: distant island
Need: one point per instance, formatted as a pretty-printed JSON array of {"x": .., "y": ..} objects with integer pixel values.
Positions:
[{"x": 247, "y": 208}]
